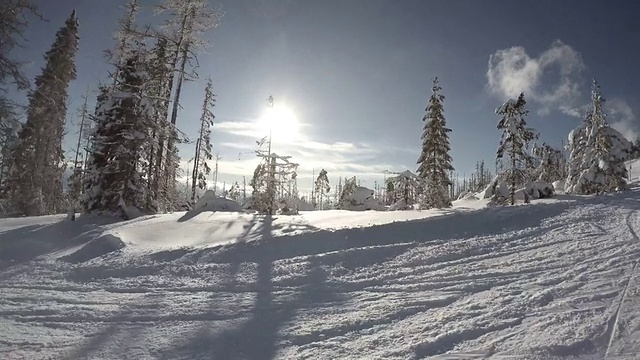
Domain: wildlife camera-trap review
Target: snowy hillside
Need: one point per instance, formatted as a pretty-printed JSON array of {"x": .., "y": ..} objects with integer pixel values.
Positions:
[{"x": 541, "y": 281}]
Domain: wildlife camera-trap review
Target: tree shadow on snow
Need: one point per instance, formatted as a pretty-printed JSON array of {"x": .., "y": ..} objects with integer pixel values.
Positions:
[
  {"x": 26, "y": 243},
  {"x": 257, "y": 338},
  {"x": 445, "y": 228},
  {"x": 119, "y": 333}
]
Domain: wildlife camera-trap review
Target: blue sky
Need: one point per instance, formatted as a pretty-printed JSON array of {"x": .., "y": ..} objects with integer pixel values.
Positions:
[{"x": 358, "y": 73}]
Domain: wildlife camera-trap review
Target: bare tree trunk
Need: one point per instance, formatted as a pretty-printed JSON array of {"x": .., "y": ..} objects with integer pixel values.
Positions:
[
  {"x": 513, "y": 178},
  {"x": 196, "y": 161}
]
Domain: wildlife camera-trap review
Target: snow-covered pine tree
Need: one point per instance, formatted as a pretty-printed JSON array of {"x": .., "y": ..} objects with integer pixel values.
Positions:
[
  {"x": 270, "y": 182},
  {"x": 92, "y": 161},
  {"x": 36, "y": 181},
  {"x": 348, "y": 189},
  {"x": 405, "y": 186},
  {"x": 550, "y": 163},
  {"x": 186, "y": 22},
  {"x": 322, "y": 186},
  {"x": 435, "y": 161},
  {"x": 514, "y": 143},
  {"x": 259, "y": 198},
  {"x": 337, "y": 192},
  {"x": 116, "y": 175},
  {"x": 577, "y": 147},
  {"x": 203, "y": 144},
  {"x": 597, "y": 152},
  {"x": 127, "y": 39}
]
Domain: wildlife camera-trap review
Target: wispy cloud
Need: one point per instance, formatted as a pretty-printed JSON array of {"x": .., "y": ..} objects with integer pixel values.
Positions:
[
  {"x": 339, "y": 158},
  {"x": 239, "y": 128},
  {"x": 512, "y": 71},
  {"x": 623, "y": 119}
]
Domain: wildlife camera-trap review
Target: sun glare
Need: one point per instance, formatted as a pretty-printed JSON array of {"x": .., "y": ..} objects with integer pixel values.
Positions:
[{"x": 282, "y": 122}]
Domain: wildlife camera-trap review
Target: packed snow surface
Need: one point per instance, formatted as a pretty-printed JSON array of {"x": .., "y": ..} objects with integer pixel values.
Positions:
[{"x": 549, "y": 280}]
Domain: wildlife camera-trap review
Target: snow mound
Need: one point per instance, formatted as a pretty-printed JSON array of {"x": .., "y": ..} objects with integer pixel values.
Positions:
[
  {"x": 95, "y": 248},
  {"x": 210, "y": 202}
]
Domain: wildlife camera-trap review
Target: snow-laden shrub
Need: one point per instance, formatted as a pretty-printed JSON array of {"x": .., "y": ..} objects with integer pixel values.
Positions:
[
  {"x": 360, "y": 199},
  {"x": 210, "y": 202},
  {"x": 540, "y": 190},
  {"x": 497, "y": 187},
  {"x": 558, "y": 186}
]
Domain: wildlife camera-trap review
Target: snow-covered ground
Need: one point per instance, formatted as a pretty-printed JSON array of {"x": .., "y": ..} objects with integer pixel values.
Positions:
[{"x": 553, "y": 279}]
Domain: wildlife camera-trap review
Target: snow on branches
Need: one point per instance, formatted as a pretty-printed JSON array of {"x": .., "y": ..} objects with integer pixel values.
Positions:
[
  {"x": 597, "y": 152},
  {"x": 514, "y": 143}
]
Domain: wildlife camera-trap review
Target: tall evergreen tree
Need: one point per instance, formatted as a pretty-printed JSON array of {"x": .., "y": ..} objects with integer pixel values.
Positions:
[
  {"x": 116, "y": 174},
  {"x": 597, "y": 152},
  {"x": 435, "y": 161},
  {"x": 203, "y": 144},
  {"x": 36, "y": 184},
  {"x": 577, "y": 147},
  {"x": 516, "y": 138},
  {"x": 126, "y": 36}
]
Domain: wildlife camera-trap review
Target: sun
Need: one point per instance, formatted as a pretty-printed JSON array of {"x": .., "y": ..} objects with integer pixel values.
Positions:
[{"x": 281, "y": 122}]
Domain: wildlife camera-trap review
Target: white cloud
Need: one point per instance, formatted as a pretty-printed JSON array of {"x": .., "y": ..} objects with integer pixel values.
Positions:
[
  {"x": 239, "y": 128},
  {"x": 571, "y": 111},
  {"x": 622, "y": 118},
  {"x": 512, "y": 71},
  {"x": 340, "y": 159}
]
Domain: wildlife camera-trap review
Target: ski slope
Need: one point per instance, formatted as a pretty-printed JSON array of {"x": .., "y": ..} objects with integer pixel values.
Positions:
[{"x": 549, "y": 280}]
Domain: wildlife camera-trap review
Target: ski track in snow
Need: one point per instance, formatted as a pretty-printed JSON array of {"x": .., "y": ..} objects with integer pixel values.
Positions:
[{"x": 544, "y": 281}]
